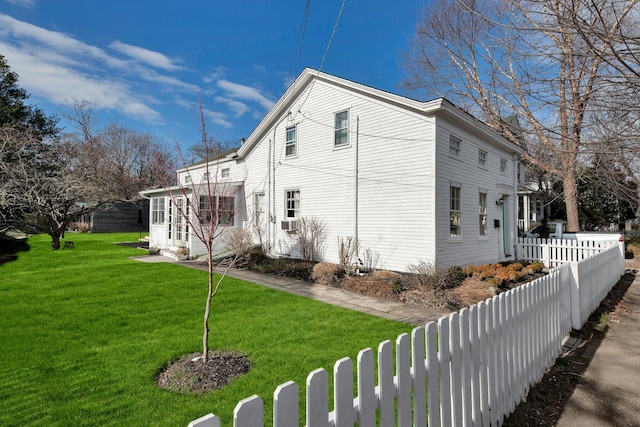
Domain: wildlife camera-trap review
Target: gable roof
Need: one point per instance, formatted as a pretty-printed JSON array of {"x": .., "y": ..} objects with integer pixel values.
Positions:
[{"x": 309, "y": 76}]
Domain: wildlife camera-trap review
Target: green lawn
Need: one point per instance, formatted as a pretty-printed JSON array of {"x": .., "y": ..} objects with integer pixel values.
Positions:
[{"x": 83, "y": 332}]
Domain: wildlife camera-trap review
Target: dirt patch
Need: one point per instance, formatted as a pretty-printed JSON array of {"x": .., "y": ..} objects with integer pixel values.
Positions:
[
  {"x": 546, "y": 400},
  {"x": 190, "y": 374}
]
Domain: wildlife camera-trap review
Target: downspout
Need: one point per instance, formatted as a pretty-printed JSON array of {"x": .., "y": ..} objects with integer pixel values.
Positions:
[
  {"x": 355, "y": 196},
  {"x": 514, "y": 215},
  {"x": 273, "y": 188},
  {"x": 269, "y": 210}
]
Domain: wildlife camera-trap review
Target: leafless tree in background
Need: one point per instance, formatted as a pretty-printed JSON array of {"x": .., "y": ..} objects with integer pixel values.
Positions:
[
  {"x": 124, "y": 161},
  {"x": 501, "y": 59},
  {"x": 46, "y": 187}
]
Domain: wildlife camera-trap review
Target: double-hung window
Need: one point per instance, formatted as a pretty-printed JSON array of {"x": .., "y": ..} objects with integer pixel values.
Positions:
[
  {"x": 291, "y": 141},
  {"x": 482, "y": 214},
  {"x": 157, "y": 210},
  {"x": 341, "y": 129},
  {"x": 482, "y": 158},
  {"x": 292, "y": 204},
  {"x": 503, "y": 166},
  {"x": 454, "y": 212},
  {"x": 225, "y": 210},
  {"x": 219, "y": 209},
  {"x": 225, "y": 173},
  {"x": 455, "y": 145}
]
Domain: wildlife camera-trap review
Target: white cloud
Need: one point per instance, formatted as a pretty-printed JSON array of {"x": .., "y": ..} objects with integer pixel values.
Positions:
[
  {"x": 236, "y": 90},
  {"x": 57, "y": 67},
  {"x": 59, "y": 84},
  {"x": 25, "y": 3},
  {"x": 217, "y": 118},
  {"x": 238, "y": 108},
  {"x": 216, "y": 74},
  {"x": 155, "y": 59}
]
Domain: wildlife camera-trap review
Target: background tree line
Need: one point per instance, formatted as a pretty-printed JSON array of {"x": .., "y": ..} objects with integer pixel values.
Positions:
[{"x": 49, "y": 178}]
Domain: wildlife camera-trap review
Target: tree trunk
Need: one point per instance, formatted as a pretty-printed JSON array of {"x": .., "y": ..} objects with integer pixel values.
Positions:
[
  {"x": 570, "y": 187},
  {"x": 207, "y": 310},
  {"x": 55, "y": 240}
]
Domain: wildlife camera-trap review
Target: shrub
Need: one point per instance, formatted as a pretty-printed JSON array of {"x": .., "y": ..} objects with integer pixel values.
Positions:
[
  {"x": 469, "y": 270},
  {"x": 385, "y": 274},
  {"x": 366, "y": 285},
  {"x": 432, "y": 276},
  {"x": 536, "y": 266},
  {"x": 327, "y": 274},
  {"x": 311, "y": 236},
  {"x": 455, "y": 275},
  {"x": 516, "y": 266}
]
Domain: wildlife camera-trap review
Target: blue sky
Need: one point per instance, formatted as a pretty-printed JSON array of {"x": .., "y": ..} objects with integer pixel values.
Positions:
[{"x": 146, "y": 63}]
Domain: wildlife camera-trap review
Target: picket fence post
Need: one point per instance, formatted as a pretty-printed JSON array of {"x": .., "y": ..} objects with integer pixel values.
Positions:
[
  {"x": 208, "y": 420},
  {"x": 286, "y": 405}
]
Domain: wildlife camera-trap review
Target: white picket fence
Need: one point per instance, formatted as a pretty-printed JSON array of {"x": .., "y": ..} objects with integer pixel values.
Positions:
[
  {"x": 555, "y": 252},
  {"x": 471, "y": 368}
]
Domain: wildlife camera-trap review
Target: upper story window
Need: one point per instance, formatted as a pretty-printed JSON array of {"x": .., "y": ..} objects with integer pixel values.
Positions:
[
  {"x": 342, "y": 129},
  {"x": 455, "y": 145},
  {"x": 157, "y": 210},
  {"x": 454, "y": 212},
  {"x": 291, "y": 141},
  {"x": 225, "y": 173},
  {"x": 503, "y": 166},
  {"x": 187, "y": 179},
  {"x": 482, "y": 158},
  {"x": 292, "y": 204},
  {"x": 205, "y": 176}
]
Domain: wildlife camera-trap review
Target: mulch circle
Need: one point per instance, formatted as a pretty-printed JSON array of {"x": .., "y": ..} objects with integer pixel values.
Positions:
[{"x": 190, "y": 374}]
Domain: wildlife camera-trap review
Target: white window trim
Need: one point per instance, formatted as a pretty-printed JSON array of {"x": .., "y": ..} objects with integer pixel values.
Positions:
[
  {"x": 482, "y": 158},
  {"x": 455, "y": 152},
  {"x": 504, "y": 162},
  {"x": 455, "y": 237},
  {"x": 204, "y": 211},
  {"x": 291, "y": 143},
  {"x": 225, "y": 173},
  {"x": 296, "y": 209},
  {"x": 484, "y": 236},
  {"x": 348, "y": 129},
  {"x": 157, "y": 212}
]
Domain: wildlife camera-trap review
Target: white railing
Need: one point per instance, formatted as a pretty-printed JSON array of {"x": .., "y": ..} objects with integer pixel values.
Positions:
[
  {"x": 470, "y": 368},
  {"x": 555, "y": 252}
]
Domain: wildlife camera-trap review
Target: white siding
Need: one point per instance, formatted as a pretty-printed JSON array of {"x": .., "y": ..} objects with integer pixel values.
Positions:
[
  {"x": 465, "y": 171},
  {"x": 400, "y": 156},
  {"x": 395, "y": 192}
]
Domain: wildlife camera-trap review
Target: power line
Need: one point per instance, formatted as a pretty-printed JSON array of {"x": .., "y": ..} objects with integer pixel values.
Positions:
[{"x": 326, "y": 51}]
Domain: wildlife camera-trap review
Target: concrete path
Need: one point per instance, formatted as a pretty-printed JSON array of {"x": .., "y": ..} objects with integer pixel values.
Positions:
[
  {"x": 609, "y": 393},
  {"x": 393, "y": 310}
]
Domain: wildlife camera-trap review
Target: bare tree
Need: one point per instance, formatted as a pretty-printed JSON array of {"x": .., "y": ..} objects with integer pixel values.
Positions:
[
  {"x": 520, "y": 58},
  {"x": 206, "y": 206},
  {"x": 124, "y": 160},
  {"x": 45, "y": 186}
]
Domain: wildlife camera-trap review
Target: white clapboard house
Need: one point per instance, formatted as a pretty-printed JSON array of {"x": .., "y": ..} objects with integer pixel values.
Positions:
[{"x": 410, "y": 181}]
